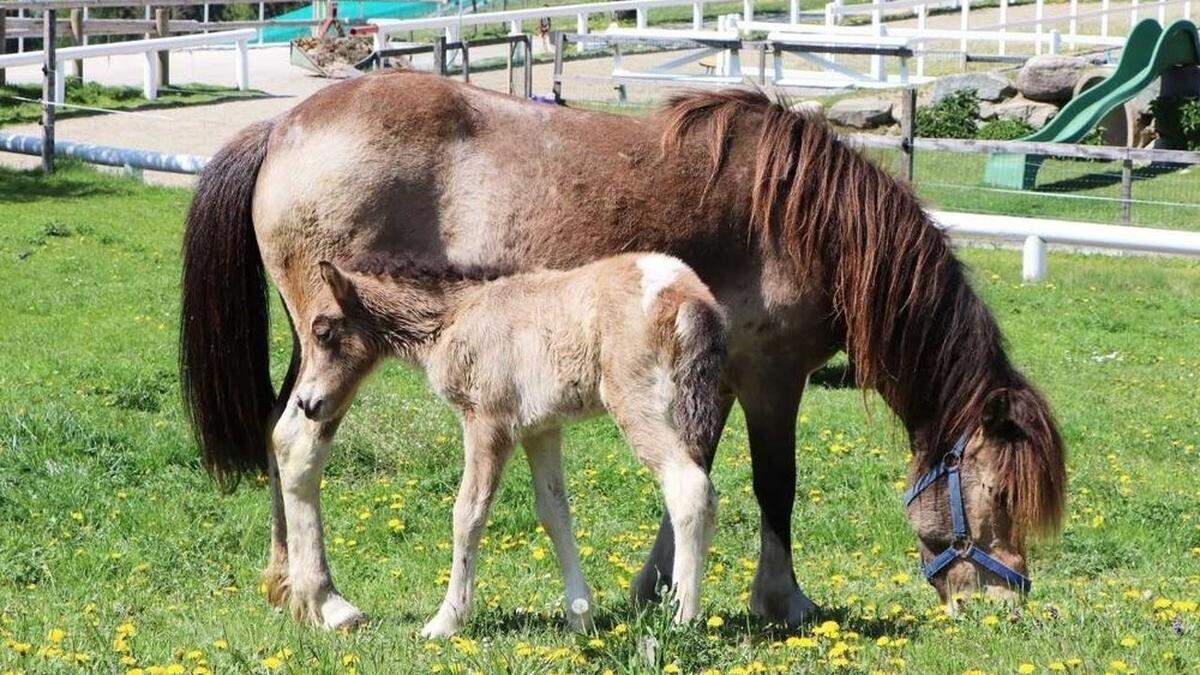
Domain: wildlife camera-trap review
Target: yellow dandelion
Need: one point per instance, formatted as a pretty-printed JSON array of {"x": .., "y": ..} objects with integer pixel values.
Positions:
[
  {"x": 272, "y": 662},
  {"x": 1129, "y": 642},
  {"x": 220, "y": 644},
  {"x": 715, "y": 621},
  {"x": 1119, "y": 666},
  {"x": 671, "y": 668},
  {"x": 56, "y": 635},
  {"x": 1026, "y": 668}
]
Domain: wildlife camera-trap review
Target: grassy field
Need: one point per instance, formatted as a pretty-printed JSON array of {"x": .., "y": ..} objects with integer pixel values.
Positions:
[
  {"x": 19, "y": 102},
  {"x": 116, "y": 553}
]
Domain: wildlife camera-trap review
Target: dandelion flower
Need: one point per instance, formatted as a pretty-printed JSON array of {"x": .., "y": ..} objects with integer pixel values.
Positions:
[
  {"x": 671, "y": 668},
  {"x": 1129, "y": 642},
  {"x": 715, "y": 621},
  {"x": 56, "y": 635},
  {"x": 580, "y": 606},
  {"x": 1026, "y": 668},
  {"x": 272, "y": 663}
]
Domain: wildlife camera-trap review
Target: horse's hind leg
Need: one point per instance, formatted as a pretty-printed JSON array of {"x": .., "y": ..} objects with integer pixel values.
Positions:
[
  {"x": 487, "y": 448},
  {"x": 275, "y": 575},
  {"x": 301, "y": 447},
  {"x": 656, "y": 572},
  {"x": 544, "y": 451},
  {"x": 690, "y": 499}
]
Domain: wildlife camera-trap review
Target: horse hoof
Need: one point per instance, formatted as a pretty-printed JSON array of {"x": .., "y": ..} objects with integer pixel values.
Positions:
[
  {"x": 790, "y": 609},
  {"x": 579, "y": 615},
  {"x": 338, "y": 614},
  {"x": 439, "y": 627}
]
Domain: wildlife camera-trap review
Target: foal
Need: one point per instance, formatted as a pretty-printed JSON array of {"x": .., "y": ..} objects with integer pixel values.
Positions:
[{"x": 638, "y": 335}]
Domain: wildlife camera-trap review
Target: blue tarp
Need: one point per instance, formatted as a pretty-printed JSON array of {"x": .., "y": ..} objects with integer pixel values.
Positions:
[{"x": 368, "y": 9}]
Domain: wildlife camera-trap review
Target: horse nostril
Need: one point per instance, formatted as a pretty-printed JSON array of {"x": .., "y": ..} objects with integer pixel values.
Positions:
[{"x": 312, "y": 408}]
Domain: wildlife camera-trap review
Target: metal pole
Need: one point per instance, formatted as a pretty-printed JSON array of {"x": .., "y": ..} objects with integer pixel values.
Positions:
[
  {"x": 465, "y": 49},
  {"x": 50, "y": 19},
  {"x": 1126, "y": 191},
  {"x": 528, "y": 66},
  {"x": 508, "y": 66},
  {"x": 908, "y": 128},
  {"x": 162, "y": 16},
  {"x": 77, "y": 36},
  {"x": 560, "y": 44}
]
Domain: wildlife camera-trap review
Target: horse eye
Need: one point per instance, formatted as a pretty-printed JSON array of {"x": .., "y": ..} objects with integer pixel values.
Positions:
[{"x": 323, "y": 332}]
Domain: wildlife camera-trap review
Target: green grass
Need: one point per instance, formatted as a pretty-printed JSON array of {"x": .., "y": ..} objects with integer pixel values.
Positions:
[
  {"x": 16, "y": 106},
  {"x": 109, "y": 525}
]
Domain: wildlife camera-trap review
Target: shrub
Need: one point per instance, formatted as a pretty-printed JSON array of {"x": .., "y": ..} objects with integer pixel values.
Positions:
[
  {"x": 1178, "y": 117},
  {"x": 1003, "y": 130},
  {"x": 952, "y": 117}
]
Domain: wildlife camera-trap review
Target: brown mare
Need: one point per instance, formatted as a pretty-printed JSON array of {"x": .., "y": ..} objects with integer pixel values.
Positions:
[{"x": 808, "y": 246}]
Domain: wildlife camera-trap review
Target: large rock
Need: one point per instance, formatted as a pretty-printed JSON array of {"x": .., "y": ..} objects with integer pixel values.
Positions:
[
  {"x": 1051, "y": 79},
  {"x": 987, "y": 86},
  {"x": 861, "y": 113},
  {"x": 1034, "y": 113}
]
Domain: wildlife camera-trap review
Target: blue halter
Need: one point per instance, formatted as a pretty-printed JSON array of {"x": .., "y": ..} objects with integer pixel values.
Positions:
[{"x": 962, "y": 546}]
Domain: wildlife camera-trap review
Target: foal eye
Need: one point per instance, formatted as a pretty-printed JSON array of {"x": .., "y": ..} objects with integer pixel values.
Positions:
[{"x": 323, "y": 332}]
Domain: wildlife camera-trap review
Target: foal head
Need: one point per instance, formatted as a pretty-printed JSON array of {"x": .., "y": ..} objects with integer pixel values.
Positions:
[{"x": 1010, "y": 483}]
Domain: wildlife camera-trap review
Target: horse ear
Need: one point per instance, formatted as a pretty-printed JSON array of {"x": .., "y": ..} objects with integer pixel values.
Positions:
[
  {"x": 341, "y": 286},
  {"x": 998, "y": 413}
]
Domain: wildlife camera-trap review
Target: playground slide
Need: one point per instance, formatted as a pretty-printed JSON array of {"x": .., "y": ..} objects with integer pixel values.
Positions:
[
  {"x": 350, "y": 9},
  {"x": 1148, "y": 52}
]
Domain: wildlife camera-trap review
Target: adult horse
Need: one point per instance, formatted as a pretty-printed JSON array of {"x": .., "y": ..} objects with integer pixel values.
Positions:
[{"x": 808, "y": 246}]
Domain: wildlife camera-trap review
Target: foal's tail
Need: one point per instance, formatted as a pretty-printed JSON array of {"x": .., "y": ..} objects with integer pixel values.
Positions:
[
  {"x": 223, "y": 345},
  {"x": 701, "y": 332}
]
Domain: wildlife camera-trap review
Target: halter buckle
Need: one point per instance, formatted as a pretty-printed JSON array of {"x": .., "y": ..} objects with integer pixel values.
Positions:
[{"x": 963, "y": 548}]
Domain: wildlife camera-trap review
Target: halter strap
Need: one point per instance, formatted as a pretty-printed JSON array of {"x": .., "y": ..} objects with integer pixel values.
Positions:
[{"x": 961, "y": 547}]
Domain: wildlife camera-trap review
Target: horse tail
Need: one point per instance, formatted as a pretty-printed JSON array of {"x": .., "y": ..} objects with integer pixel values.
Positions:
[
  {"x": 224, "y": 361},
  {"x": 701, "y": 338}
]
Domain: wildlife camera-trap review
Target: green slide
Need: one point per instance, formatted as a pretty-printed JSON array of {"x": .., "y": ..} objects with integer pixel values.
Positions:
[{"x": 1148, "y": 52}]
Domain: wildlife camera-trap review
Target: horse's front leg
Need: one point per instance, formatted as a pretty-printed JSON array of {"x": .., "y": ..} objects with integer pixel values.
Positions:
[
  {"x": 771, "y": 400},
  {"x": 488, "y": 446},
  {"x": 301, "y": 447}
]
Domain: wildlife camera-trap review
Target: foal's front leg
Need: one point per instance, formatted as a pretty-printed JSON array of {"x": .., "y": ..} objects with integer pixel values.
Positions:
[
  {"x": 301, "y": 447},
  {"x": 487, "y": 447},
  {"x": 550, "y": 492}
]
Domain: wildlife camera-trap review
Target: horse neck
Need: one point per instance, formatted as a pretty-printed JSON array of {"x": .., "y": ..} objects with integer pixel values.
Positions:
[{"x": 411, "y": 319}]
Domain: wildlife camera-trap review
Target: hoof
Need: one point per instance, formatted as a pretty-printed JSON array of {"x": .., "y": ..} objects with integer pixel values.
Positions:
[
  {"x": 439, "y": 627},
  {"x": 788, "y": 608},
  {"x": 647, "y": 587},
  {"x": 579, "y": 615},
  {"x": 330, "y": 612}
]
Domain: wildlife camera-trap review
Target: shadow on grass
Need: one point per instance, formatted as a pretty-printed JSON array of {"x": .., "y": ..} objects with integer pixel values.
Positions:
[
  {"x": 833, "y": 376},
  {"x": 66, "y": 183},
  {"x": 1091, "y": 181}
]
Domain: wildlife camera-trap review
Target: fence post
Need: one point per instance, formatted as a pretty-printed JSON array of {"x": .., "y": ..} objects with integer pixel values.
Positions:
[
  {"x": 1002, "y": 47},
  {"x": 964, "y": 23},
  {"x": 86, "y": 17},
  {"x": 3, "y": 43},
  {"x": 1133, "y": 12},
  {"x": 560, "y": 44},
  {"x": 1073, "y": 23},
  {"x": 876, "y": 30},
  {"x": 60, "y": 81},
  {"x": 1126, "y": 191},
  {"x": 922, "y": 15},
  {"x": 162, "y": 17},
  {"x": 529, "y": 67},
  {"x": 641, "y": 17},
  {"x": 439, "y": 55},
  {"x": 262, "y": 17},
  {"x": 697, "y": 15},
  {"x": 1039, "y": 11},
  {"x": 242, "y": 63},
  {"x": 748, "y": 10},
  {"x": 49, "y": 21},
  {"x": 77, "y": 36},
  {"x": 794, "y": 12},
  {"x": 150, "y": 76},
  {"x": 465, "y": 50},
  {"x": 1187, "y": 9},
  {"x": 1104, "y": 7},
  {"x": 1162, "y": 14},
  {"x": 908, "y": 126},
  {"x": 1033, "y": 259},
  {"x": 1055, "y": 42}
]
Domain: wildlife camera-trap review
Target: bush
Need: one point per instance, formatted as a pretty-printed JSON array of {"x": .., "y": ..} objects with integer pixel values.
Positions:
[
  {"x": 953, "y": 117},
  {"x": 1178, "y": 118},
  {"x": 1003, "y": 130}
]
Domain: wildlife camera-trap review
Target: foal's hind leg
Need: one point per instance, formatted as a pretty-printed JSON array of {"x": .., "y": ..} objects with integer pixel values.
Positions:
[
  {"x": 487, "y": 448},
  {"x": 690, "y": 499},
  {"x": 656, "y": 572},
  {"x": 544, "y": 451},
  {"x": 301, "y": 447}
]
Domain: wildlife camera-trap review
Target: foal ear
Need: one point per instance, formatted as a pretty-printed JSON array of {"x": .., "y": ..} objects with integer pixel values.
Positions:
[
  {"x": 341, "y": 286},
  {"x": 998, "y": 409}
]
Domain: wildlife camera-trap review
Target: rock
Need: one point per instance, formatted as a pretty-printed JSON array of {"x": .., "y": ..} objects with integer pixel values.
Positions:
[
  {"x": 1034, "y": 113},
  {"x": 987, "y": 110},
  {"x": 861, "y": 113},
  {"x": 987, "y": 86},
  {"x": 1051, "y": 79}
]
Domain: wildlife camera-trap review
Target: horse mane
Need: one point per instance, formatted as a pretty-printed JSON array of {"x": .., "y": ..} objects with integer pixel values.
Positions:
[
  {"x": 426, "y": 269},
  {"x": 913, "y": 328}
]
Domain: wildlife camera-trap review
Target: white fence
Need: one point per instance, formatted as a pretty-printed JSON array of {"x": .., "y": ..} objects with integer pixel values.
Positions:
[
  {"x": 1036, "y": 233},
  {"x": 149, "y": 49}
]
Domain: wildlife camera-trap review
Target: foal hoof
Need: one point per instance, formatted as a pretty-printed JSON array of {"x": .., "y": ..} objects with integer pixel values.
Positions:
[
  {"x": 788, "y": 608},
  {"x": 439, "y": 627},
  {"x": 338, "y": 614}
]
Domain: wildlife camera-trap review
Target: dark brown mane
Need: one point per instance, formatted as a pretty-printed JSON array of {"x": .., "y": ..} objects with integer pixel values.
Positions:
[
  {"x": 426, "y": 269},
  {"x": 913, "y": 327}
]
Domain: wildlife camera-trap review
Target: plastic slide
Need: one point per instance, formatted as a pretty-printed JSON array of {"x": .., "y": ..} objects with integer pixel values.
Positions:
[
  {"x": 1148, "y": 52},
  {"x": 349, "y": 9}
]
